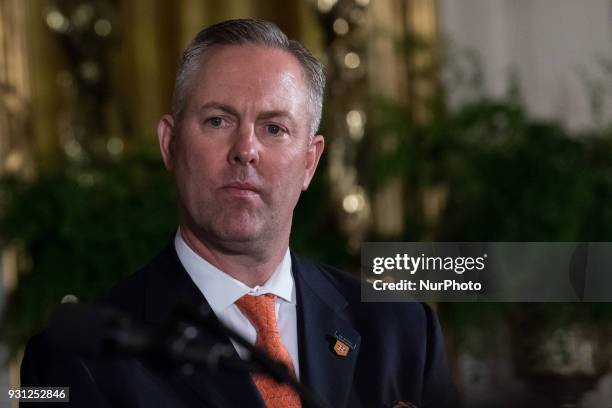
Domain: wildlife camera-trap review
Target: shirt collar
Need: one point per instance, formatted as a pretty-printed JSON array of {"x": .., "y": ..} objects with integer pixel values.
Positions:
[{"x": 221, "y": 290}]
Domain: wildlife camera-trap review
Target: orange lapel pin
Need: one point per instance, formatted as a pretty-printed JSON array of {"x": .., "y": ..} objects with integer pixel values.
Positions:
[
  {"x": 342, "y": 346},
  {"x": 341, "y": 349}
]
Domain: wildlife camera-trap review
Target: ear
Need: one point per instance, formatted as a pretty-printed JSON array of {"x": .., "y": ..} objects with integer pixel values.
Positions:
[
  {"x": 315, "y": 150},
  {"x": 165, "y": 136}
]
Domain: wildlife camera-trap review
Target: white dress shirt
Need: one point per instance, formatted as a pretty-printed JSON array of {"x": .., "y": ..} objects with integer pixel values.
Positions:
[{"x": 221, "y": 291}]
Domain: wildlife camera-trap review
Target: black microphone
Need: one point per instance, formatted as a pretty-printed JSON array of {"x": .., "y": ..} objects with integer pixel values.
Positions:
[{"x": 101, "y": 331}]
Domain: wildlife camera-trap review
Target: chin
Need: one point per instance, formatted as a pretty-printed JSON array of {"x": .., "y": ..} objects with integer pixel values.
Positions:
[
  {"x": 238, "y": 236},
  {"x": 238, "y": 232}
]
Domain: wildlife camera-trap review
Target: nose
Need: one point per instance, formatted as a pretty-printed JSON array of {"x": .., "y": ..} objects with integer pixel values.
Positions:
[{"x": 244, "y": 148}]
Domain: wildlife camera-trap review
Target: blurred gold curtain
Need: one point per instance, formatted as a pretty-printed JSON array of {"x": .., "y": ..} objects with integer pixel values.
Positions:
[{"x": 14, "y": 87}]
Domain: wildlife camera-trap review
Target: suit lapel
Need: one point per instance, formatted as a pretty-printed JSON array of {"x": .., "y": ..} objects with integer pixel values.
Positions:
[
  {"x": 320, "y": 315},
  {"x": 168, "y": 286}
]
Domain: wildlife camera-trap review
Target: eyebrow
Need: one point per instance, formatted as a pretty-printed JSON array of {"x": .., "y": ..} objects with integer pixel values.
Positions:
[
  {"x": 264, "y": 115},
  {"x": 220, "y": 106},
  {"x": 276, "y": 114}
]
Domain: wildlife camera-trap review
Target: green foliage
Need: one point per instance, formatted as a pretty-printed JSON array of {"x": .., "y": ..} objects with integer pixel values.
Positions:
[
  {"x": 82, "y": 229},
  {"x": 507, "y": 176}
]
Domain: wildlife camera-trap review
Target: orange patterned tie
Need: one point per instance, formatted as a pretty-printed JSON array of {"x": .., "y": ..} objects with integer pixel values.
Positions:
[{"x": 260, "y": 310}]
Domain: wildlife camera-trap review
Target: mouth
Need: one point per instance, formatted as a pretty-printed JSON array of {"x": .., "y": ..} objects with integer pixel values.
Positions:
[{"x": 241, "y": 189}]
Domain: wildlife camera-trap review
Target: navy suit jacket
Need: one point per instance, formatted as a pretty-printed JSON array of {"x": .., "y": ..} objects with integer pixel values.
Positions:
[{"x": 399, "y": 354}]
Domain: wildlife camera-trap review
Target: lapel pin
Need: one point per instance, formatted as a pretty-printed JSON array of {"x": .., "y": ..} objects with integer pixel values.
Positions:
[{"x": 343, "y": 345}]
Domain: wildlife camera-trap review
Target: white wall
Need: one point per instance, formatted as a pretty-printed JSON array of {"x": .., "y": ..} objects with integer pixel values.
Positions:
[{"x": 547, "y": 42}]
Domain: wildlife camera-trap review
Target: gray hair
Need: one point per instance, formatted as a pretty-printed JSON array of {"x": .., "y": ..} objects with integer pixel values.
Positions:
[{"x": 248, "y": 31}]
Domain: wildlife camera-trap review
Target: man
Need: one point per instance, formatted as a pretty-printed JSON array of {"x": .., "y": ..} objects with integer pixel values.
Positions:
[{"x": 241, "y": 142}]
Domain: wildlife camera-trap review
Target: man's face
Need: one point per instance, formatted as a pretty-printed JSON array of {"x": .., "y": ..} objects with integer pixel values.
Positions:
[{"x": 242, "y": 152}]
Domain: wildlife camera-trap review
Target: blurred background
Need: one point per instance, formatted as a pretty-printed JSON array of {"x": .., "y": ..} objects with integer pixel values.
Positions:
[{"x": 471, "y": 120}]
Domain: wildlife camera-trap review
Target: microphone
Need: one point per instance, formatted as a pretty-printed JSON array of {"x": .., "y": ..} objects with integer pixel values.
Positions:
[{"x": 101, "y": 331}]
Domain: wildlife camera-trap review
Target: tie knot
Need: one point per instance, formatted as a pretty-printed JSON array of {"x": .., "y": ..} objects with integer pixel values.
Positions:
[{"x": 260, "y": 310}]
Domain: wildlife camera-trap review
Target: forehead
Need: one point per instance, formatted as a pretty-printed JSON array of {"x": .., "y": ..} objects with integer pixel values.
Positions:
[{"x": 251, "y": 73}]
